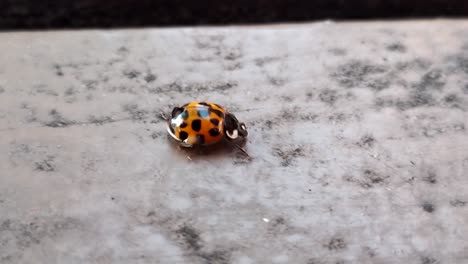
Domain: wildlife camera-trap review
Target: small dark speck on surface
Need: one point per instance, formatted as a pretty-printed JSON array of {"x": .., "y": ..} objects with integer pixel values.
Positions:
[
  {"x": 372, "y": 178},
  {"x": 355, "y": 72},
  {"x": 288, "y": 155},
  {"x": 396, "y": 47},
  {"x": 46, "y": 165},
  {"x": 465, "y": 89},
  {"x": 430, "y": 178},
  {"x": 452, "y": 100},
  {"x": 58, "y": 120},
  {"x": 150, "y": 78},
  {"x": 2, "y": 90},
  {"x": 100, "y": 120},
  {"x": 458, "y": 203},
  {"x": 156, "y": 135},
  {"x": 70, "y": 91},
  {"x": 136, "y": 114},
  {"x": 428, "y": 260},
  {"x": 58, "y": 70},
  {"x": 337, "y": 51},
  {"x": 328, "y": 96},
  {"x": 428, "y": 207},
  {"x": 131, "y": 74},
  {"x": 337, "y": 243},
  {"x": 416, "y": 99},
  {"x": 216, "y": 257},
  {"x": 432, "y": 80},
  {"x": 366, "y": 141},
  {"x": 123, "y": 49},
  {"x": 190, "y": 236}
]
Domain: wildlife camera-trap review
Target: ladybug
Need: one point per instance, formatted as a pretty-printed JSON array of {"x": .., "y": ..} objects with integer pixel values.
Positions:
[{"x": 204, "y": 123}]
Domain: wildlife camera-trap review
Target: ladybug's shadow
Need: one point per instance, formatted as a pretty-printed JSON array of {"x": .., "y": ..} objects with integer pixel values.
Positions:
[{"x": 223, "y": 148}]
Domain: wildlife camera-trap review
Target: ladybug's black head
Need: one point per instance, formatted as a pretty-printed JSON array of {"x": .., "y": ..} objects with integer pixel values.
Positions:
[{"x": 233, "y": 129}]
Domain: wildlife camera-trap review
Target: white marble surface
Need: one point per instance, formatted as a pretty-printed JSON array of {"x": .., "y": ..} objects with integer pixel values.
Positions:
[{"x": 358, "y": 133}]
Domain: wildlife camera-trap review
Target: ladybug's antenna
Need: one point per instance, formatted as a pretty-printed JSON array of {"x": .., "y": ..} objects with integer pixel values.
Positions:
[
  {"x": 163, "y": 116},
  {"x": 241, "y": 149}
]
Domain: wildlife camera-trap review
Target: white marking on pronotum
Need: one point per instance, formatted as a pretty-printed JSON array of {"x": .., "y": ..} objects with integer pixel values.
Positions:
[
  {"x": 243, "y": 127},
  {"x": 234, "y": 134},
  {"x": 177, "y": 121}
]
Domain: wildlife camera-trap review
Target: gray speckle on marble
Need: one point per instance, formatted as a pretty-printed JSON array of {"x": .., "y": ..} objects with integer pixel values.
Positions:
[{"x": 357, "y": 133}]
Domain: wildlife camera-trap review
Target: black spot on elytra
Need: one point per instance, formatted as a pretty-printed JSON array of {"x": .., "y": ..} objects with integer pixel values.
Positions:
[
  {"x": 190, "y": 236},
  {"x": 196, "y": 125},
  {"x": 218, "y": 112},
  {"x": 428, "y": 260},
  {"x": 355, "y": 73},
  {"x": 214, "y": 121},
  {"x": 336, "y": 243},
  {"x": 150, "y": 78},
  {"x": 131, "y": 74},
  {"x": 288, "y": 155},
  {"x": 58, "y": 120},
  {"x": 428, "y": 207},
  {"x": 458, "y": 203},
  {"x": 183, "y": 135},
  {"x": 183, "y": 125},
  {"x": 203, "y": 113},
  {"x": 366, "y": 141},
  {"x": 328, "y": 96},
  {"x": 430, "y": 178},
  {"x": 396, "y": 47},
  {"x": 214, "y": 132},
  {"x": 46, "y": 164},
  {"x": 203, "y": 103},
  {"x": 200, "y": 139}
]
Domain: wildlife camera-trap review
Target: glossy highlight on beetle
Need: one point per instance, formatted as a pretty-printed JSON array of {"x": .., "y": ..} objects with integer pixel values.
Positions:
[{"x": 204, "y": 123}]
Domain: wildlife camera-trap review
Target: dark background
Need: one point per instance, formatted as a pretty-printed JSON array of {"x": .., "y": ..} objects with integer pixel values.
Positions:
[{"x": 37, "y": 14}]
